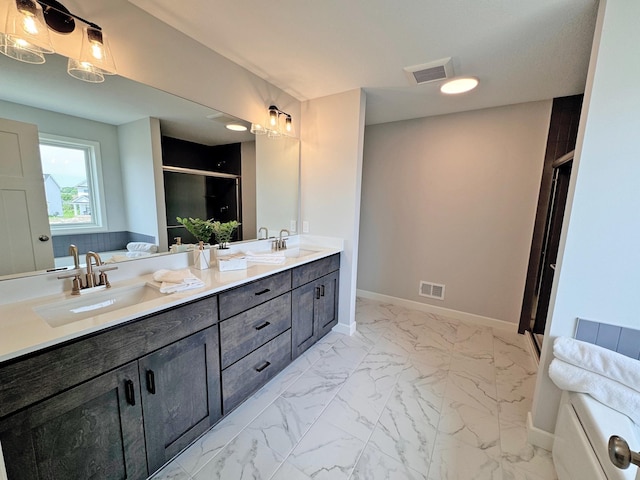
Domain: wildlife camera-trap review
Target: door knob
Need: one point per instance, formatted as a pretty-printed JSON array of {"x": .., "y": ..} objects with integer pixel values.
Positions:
[
  {"x": 620, "y": 454},
  {"x": 43, "y": 238}
]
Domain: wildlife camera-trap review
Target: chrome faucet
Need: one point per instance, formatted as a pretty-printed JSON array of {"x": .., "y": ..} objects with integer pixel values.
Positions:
[
  {"x": 281, "y": 243},
  {"x": 90, "y": 278},
  {"x": 266, "y": 233}
]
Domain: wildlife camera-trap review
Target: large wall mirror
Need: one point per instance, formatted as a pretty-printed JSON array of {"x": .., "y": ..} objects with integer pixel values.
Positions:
[{"x": 122, "y": 133}]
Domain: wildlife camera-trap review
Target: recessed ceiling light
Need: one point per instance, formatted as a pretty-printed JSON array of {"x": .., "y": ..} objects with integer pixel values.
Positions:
[
  {"x": 459, "y": 85},
  {"x": 236, "y": 127}
]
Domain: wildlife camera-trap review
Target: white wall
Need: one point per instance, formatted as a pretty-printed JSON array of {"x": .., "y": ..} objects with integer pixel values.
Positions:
[
  {"x": 331, "y": 172},
  {"x": 598, "y": 274},
  {"x": 75, "y": 127},
  {"x": 248, "y": 169},
  {"x": 138, "y": 179},
  {"x": 277, "y": 183},
  {"x": 451, "y": 200}
]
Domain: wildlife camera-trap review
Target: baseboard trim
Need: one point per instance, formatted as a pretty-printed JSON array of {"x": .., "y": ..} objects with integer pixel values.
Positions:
[
  {"x": 533, "y": 350},
  {"x": 538, "y": 437},
  {"x": 345, "y": 329},
  {"x": 445, "y": 312}
]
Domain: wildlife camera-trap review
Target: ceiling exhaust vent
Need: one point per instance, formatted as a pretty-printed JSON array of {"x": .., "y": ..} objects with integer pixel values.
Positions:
[
  {"x": 430, "y": 72},
  {"x": 431, "y": 290}
]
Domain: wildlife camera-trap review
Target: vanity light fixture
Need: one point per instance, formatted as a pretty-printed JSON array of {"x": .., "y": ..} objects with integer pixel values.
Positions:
[
  {"x": 459, "y": 85},
  {"x": 279, "y": 123},
  {"x": 26, "y": 38}
]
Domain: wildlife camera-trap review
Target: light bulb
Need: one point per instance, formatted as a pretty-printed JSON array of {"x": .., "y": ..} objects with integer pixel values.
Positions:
[
  {"x": 29, "y": 24},
  {"x": 273, "y": 117},
  {"x": 287, "y": 123}
]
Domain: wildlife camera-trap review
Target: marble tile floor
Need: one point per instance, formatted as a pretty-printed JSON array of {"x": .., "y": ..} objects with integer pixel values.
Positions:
[{"x": 411, "y": 395}]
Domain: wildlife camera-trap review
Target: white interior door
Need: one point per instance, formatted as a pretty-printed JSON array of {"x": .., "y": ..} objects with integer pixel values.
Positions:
[{"x": 25, "y": 236}]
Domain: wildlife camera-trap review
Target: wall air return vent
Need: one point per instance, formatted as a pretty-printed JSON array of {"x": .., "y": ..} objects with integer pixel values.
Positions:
[
  {"x": 430, "y": 72},
  {"x": 431, "y": 290}
]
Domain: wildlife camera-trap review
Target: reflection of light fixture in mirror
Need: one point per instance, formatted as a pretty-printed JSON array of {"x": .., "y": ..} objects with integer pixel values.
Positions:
[
  {"x": 258, "y": 129},
  {"x": 459, "y": 85},
  {"x": 26, "y": 38},
  {"x": 275, "y": 127}
]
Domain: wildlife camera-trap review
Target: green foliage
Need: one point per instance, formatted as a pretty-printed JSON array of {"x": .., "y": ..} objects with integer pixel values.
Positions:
[
  {"x": 201, "y": 229},
  {"x": 224, "y": 232}
]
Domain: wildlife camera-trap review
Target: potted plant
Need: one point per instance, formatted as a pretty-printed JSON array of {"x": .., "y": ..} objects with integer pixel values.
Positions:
[
  {"x": 223, "y": 232},
  {"x": 202, "y": 230}
]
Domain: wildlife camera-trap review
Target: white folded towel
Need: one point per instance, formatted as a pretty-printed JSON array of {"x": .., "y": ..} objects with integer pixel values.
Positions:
[
  {"x": 599, "y": 360},
  {"x": 271, "y": 258},
  {"x": 608, "y": 392},
  {"x": 174, "y": 276},
  {"x": 177, "y": 280},
  {"x": 167, "y": 287}
]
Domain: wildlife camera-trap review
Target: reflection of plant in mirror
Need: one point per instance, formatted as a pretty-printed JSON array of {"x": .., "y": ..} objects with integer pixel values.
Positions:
[
  {"x": 224, "y": 231},
  {"x": 201, "y": 229}
]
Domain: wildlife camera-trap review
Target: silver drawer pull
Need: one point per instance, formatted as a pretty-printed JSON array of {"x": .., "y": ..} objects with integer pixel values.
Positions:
[
  {"x": 265, "y": 324},
  {"x": 262, "y": 292},
  {"x": 262, "y": 367}
]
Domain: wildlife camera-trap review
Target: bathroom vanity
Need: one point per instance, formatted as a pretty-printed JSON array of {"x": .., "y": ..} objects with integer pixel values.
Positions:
[{"x": 123, "y": 400}]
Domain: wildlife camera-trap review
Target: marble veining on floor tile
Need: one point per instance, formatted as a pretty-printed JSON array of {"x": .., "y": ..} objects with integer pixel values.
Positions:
[{"x": 411, "y": 395}]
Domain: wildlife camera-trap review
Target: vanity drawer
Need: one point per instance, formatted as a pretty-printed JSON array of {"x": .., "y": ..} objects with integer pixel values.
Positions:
[
  {"x": 248, "y": 296},
  {"x": 242, "y": 334},
  {"x": 311, "y": 271},
  {"x": 247, "y": 375}
]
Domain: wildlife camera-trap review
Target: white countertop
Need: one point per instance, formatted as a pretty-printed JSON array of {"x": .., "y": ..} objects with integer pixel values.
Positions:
[{"x": 23, "y": 331}]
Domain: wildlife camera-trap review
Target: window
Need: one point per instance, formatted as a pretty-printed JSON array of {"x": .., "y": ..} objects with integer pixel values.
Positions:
[{"x": 72, "y": 182}]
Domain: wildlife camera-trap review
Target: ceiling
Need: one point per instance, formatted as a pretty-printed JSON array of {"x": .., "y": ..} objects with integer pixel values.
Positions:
[{"x": 520, "y": 50}]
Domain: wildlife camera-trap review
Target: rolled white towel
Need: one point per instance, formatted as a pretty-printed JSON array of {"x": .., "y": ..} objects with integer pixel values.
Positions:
[
  {"x": 609, "y": 392},
  {"x": 599, "y": 360},
  {"x": 142, "y": 247}
]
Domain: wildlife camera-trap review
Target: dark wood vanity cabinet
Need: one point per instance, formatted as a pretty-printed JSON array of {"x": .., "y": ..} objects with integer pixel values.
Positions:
[
  {"x": 255, "y": 333},
  {"x": 180, "y": 394},
  {"x": 92, "y": 431},
  {"x": 121, "y": 420},
  {"x": 314, "y": 304},
  {"x": 122, "y": 402}
]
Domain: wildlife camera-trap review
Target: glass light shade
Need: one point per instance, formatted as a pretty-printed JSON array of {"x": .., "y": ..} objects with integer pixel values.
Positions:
[
  {"x": 273, "y": 118},
  {"x": 14, "y": 49},
  {"x": 258, "y": 129},
  {"x": 26, "y": 37},
  {"x": 459, "y": 85},
  {"x": 84, "y": 71},
  {"x": 95, "y": 51}
]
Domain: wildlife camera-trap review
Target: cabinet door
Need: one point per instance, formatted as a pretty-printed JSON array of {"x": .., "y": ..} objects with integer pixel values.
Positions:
[
  {"x": 180, "y": 394},
  {"x": 327, "y": 305},
  {"x": 303, "y": 318},
  {"x": 92, "y": 431}
]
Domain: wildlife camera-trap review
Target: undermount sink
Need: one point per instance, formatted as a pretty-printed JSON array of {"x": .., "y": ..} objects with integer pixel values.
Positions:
[
  {"x": 269, "y": 255},
  {"x": 297, "y": 252},
  {"x": 70, "y": 310}
]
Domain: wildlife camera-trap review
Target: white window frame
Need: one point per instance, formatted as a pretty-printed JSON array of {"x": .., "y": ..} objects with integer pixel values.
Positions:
[{"x": 94, "y": 181}]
